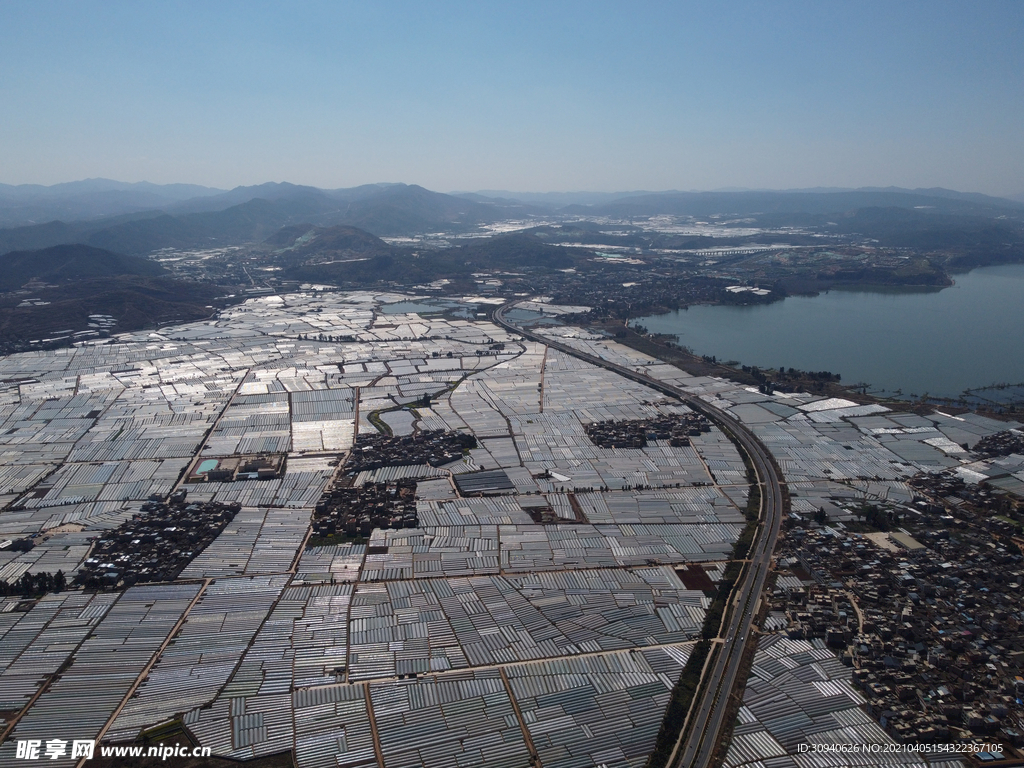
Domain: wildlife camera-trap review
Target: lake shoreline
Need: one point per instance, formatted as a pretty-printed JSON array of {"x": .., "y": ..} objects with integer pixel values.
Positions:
[{"x": 902, "y": 343}]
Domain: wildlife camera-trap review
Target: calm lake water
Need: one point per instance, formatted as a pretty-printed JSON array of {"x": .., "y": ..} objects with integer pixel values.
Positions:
[
  {"x": 428, "y": 307},
  {"x": 937, "y": 342},
  {"x": 422, "y": 307}
]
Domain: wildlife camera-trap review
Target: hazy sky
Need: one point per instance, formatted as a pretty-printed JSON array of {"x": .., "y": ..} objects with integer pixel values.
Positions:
[{"x": 514, "y": 95}]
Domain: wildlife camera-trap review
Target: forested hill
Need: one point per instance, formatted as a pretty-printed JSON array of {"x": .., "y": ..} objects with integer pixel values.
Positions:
[{"x": 62, "y": 263}]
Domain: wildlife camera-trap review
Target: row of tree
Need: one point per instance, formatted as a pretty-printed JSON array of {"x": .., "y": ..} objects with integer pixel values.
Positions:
[
  {"x": 35, "y": 584},
  {"x": 815, "y": 375},
  {"x": 326, "y": 337}
]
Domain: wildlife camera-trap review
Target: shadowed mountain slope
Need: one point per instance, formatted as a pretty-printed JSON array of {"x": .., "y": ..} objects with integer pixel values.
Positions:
[{"x": 62, "y": 263}]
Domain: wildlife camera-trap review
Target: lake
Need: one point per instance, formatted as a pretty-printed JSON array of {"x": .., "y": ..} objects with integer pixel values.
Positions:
[
  {"x": 937, "y": 342},
  {"x": 428, "y": 307}
]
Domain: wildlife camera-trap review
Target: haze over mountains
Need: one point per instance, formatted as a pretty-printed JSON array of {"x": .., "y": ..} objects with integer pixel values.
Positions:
[
  {"x": 89, "y": 198},
  {"x": 562, "y": 199},
  {"x": 86, "y": 245},
  {"x": 141, "y": 218}
]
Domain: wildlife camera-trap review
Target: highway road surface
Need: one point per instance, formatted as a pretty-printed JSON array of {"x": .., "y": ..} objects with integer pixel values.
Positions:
[{"x": 707, "y": 714}]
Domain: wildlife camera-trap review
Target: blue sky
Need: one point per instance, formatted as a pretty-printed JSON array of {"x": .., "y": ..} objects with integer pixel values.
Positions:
[{"x": 521, "y": 96}]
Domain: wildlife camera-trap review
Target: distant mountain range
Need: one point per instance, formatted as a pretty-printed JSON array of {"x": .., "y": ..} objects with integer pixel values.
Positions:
[
  {"x": 139, "y": 219},
  {"x": 802, "y": 202},
  {"x": 557, "y": 200},
  {"x": 89, "y": 199},
  {"x": 218, "y": 219}
]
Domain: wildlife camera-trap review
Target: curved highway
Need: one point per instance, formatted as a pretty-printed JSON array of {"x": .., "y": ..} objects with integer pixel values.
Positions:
[{"x": 707, "y": 714}]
